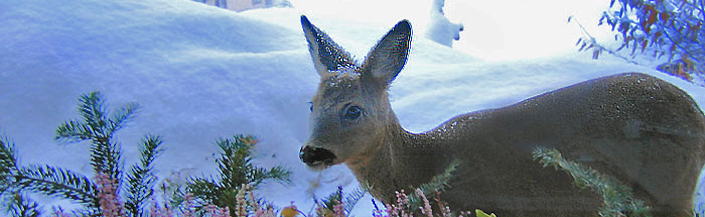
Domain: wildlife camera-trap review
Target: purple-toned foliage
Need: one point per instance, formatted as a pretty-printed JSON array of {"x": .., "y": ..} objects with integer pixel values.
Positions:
[{"x": 662, "y": 28}]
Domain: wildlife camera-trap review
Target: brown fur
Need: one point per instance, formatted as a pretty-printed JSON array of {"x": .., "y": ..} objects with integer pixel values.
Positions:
[{"x": 641, "y": 130}]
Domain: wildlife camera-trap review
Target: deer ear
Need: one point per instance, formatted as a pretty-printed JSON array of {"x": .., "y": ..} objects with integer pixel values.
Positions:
[
  {"x": 326, "y": 54},
  {"x": 388, "y": 57}
]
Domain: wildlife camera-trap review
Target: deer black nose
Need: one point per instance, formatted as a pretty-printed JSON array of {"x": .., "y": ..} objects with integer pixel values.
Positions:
[
  {"x": 307, "y": 155},
  {"x": 316, "y": 156}
]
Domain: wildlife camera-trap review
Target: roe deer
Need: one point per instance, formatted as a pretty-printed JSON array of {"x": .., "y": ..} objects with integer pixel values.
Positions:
[{"x": 640, "y": 130}]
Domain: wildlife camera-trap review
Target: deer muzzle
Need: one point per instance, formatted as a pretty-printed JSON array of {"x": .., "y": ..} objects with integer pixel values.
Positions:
[{"x": 316, "y": 157}]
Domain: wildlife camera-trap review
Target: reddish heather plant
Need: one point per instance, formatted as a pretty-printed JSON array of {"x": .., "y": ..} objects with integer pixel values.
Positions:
[
  {"x": 160, "y": 210},
  {"x": 188, "y": 206},
  {"x": 399, "y": 209},
  {"x": 110, "y": 203},
  {"x": 241, "y": 207},
  {"x": 188, "y": 209},
  {"x": 426, "y": 209},
  {"x": 256, "y": 207},
  {"x": 339, "y": 209},
  {"x": 404, "y": 207},
  {"x": 214, "y": 211}
]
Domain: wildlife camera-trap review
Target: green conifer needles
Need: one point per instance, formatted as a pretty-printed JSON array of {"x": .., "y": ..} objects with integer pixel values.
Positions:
[
  {"x": 98, "y": 127},
  {"x": 618, "y": 199},
  {"x": 437, "y": 184},
  {"x": 235, "y": 169},
  {"x": 141, "y": 178}
]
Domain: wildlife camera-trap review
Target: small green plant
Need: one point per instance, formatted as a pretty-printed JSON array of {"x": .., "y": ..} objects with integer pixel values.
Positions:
[
  {"x": 437, "y": 184},
  {"x": 618, "y": 199},
  {"x": 404, "y": 208},
  {"x": 235, "y": 170},
  {"x": 332, "y": 206},
  {"x": 480, "y": 213},
  {"x": 100, "y": 196},
  {"x": 417, "y": 202},
  {"x": 339, "y": 203}
]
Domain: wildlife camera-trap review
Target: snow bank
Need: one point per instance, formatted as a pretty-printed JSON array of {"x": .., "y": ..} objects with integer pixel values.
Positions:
[{"x": 200, "y": 73}]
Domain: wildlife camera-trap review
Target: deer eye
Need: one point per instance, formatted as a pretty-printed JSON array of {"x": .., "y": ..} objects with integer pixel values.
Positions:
[{"x": 353, "y": 112}]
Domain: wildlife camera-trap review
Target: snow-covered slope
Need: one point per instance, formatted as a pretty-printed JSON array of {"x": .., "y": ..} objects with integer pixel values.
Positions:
[{"x": 200, "y": 73}]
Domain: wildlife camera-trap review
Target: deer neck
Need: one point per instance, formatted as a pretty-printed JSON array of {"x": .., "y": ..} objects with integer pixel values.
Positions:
[{"x": 397, "y": 160}]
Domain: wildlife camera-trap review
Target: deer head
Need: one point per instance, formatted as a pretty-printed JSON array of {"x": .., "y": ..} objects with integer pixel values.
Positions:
[{"x": 350, "y": 111}]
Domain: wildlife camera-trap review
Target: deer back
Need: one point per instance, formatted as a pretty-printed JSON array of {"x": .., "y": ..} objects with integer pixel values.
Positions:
[{"x": 641, "y": 130}]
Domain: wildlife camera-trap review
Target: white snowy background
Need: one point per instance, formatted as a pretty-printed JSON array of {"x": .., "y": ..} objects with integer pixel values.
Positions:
[{"x": 200, "y": 73}]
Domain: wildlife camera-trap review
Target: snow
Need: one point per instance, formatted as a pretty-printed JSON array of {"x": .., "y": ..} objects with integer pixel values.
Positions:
[
  {"x": 440, "y": 29},
  {"x": 510, "y": 30},
  {"x": 200, "y": 73}
]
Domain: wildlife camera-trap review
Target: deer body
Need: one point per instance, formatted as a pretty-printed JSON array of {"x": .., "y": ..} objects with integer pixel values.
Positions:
[{"x": 643, "y": 131}]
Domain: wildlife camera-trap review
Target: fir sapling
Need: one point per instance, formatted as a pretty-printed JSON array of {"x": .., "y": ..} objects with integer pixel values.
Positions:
[
  {"x": 235, "y": 170},
  {"x": 141, "y": 179},
  {"x": 104, "y": 194}
]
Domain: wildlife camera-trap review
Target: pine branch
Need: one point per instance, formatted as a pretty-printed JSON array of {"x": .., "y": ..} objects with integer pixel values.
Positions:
[
  {"x": 618, "y": 199},
  {"x": 235, "y": 170},
  {"x": 106, "y": 159},
  {"x": 57, "y": 182},
  {"x": 437, "y": 183},
  {"x": 93, "y": 109},
  {"x": 277, "y": 173},
  {"x": 140, "y": 181},
  {"x": 8, "y": 161},
  {"x": 233, "y": 163},
  {"x": 22, "y": 206},
  {"x": 8, "y": 167},
  {"x": 42, "y": 179},
  {"x": 236, "y": 167},
  {"x": 120, "y": 117},
  {"x": 205, "y": 189},
  {"x": 72, "y": 132},
  {"x": 95, "y": 126}
]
